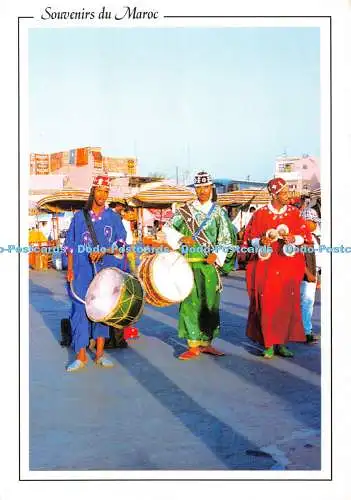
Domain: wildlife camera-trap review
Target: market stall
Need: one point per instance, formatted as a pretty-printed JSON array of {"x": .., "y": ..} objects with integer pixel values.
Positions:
[
  {"x": 56, "y": 205},
  {"x": 243, "y": 197},
  {"x": 161, "y": 203},
  {"x": 315, "y": 194}
]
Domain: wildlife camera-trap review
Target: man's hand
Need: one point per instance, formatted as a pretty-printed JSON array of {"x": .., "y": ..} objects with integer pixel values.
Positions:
[
  {"x": 289, "y": 239},
  {"x": 211, "y": 259},
  {"x": 95, "y": 256},
  {"x": 70, "y": 275},
  {"x": 188, "y": 240},
  {"x": 116, "y": 251},
  {"x": 310, "y": 277},
  {"x": 265, "y": 241}
]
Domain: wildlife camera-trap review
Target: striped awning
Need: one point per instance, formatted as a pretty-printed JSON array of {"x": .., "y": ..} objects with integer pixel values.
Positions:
[
  {"x": 164, "y": 195},
  {"x": 315, "y": 193},
  {"x": 63, "y": 201},
  {"x": 68, "y": 200},
  {"x": 256, "y": 197}
]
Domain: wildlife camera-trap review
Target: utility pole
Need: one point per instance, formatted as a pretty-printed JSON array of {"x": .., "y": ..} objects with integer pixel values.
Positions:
[{"x": 177, "y": 174}]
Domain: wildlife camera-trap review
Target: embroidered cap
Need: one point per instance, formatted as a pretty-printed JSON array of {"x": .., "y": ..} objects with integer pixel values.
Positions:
[
  {"x": 274, "y": 186},
  {"x": 202, "y": 179},
  {"x": 101, "y": 181}
]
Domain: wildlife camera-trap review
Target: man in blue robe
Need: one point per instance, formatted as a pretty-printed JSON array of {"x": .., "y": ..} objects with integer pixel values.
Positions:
[{"x": 110, "y": 234}]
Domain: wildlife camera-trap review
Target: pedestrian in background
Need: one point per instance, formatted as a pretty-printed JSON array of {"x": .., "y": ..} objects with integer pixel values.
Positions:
[{"x": 311, "y": 278}]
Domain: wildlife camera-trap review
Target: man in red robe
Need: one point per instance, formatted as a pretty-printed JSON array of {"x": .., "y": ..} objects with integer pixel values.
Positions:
[{"x": 273, "y": 277}]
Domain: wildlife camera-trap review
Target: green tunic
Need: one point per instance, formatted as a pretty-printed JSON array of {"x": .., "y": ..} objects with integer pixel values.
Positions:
[{"x": 199, "y": 312}]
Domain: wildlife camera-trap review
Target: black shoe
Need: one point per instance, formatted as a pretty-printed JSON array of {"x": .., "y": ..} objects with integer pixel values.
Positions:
[
  {"x": 123, "y": 344},
  {"x": 312, "y": 339},
  {"x": 110, "y": 344},
  {"x": 66, "y": 333}
]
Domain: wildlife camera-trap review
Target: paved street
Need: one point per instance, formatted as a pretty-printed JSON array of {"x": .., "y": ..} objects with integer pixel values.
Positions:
[{"x": 154, "y": 412}]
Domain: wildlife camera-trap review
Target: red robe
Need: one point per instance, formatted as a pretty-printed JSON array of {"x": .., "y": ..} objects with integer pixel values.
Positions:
[{"x": 273, "y": 285}]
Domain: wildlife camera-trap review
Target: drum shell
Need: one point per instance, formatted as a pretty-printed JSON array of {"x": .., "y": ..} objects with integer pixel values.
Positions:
[
  {"x": 129, "y": 306},
  {"x": 152, "y": 294}
]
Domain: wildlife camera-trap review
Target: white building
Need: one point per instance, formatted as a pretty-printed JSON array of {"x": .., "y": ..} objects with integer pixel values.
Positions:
[{"x": 301, "y": 173}]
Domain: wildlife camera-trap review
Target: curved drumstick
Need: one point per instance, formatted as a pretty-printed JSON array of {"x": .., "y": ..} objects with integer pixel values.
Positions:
[
  {"x": 75, "y": 295},
  {"x": 72, "y": 289}
]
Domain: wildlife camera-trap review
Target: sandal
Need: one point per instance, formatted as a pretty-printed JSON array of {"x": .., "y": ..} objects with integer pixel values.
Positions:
[
  {"x": 268, "y": 353},
  {"x": 76, "y": 365},
  {"x": 283, "y": 351},
  {"x": 103, "y": 362},
  {"x": 190, "y": 354},
  {"x": 211, "y": 350}
]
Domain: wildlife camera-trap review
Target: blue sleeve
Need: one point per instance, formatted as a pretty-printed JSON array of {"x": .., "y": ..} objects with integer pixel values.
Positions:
[{"x": 119, "y": 232}]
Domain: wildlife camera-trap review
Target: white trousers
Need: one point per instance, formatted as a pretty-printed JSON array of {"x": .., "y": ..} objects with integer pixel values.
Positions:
[{"x": 308, "y": 294}]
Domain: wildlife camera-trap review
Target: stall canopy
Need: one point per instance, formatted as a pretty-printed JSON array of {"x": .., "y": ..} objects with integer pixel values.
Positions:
[
  {"x": 163, "y": 195},
  {"x": 315, "y": 193},
  {"x": 255, "y": 197},
  {"x": 68, "y": 200},
  {"x": 63, "y": 201}
]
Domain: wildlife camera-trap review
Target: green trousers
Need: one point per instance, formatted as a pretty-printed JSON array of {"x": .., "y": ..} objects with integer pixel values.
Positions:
[{"x": 199, "y": 312}]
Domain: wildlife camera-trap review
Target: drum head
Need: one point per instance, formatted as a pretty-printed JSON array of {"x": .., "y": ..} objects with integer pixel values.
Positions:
[
  {"x": 172, "y": 276},
  {"x": 103, "y": 293}
]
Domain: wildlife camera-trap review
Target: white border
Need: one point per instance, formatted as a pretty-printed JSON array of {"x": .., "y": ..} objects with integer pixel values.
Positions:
[
  {"x": 323, "y": 24},
  {"x": 339, "y": 488}
]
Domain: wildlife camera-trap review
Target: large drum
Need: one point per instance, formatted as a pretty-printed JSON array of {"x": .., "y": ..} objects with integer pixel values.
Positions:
[
  {"x": 167, "y": 278},
  {"x": 115, "y": 298}
]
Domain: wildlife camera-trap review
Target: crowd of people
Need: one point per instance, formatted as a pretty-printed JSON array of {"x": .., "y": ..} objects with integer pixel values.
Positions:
[{"x": 281, "y": 284}]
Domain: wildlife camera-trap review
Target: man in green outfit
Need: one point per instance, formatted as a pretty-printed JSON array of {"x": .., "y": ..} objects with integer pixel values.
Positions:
[{"x": 202, "y": 231}]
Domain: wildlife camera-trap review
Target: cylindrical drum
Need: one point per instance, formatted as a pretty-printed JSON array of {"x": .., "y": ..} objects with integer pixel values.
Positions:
[
  {"x": 115, "y": 298},
  {"x": 167, "y": 278}
]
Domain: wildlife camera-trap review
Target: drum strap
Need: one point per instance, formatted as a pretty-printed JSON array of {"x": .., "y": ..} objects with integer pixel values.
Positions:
[
  {"x": 90, "y": 227},
  {"x": 94, "y": 237},
  {"x": 191, "y": 223},
  {"x": 198, "y": 233}
]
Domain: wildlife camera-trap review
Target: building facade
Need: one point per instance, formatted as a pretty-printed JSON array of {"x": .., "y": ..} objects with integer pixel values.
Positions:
[
  {"x": 75, "y": 169},
  {"x": 302, "y": 174},
  {"x": 64, "y": 161}
]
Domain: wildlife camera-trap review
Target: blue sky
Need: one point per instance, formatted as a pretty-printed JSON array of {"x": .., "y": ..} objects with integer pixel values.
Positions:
[{"x": 226, "y": 100}]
